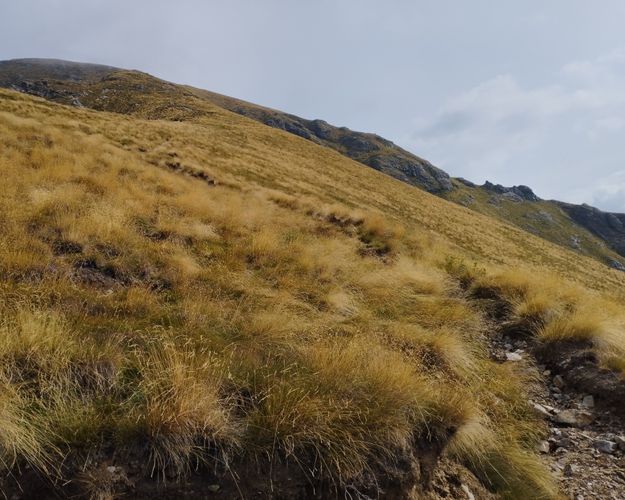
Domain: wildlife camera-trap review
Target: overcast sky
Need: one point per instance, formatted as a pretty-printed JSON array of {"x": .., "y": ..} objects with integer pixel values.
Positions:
[{"x": 516, "y": 92}]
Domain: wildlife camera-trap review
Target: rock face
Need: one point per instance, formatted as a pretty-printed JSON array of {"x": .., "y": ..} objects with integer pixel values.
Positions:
[
  {"x": 515, "y": 193},
  {"x": 607, "y": 226}
]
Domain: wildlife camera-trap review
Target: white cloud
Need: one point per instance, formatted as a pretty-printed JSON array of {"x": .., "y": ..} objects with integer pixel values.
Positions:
[
  {"x": 607, "y": 192},
  {"x": 562, "y": 137}
]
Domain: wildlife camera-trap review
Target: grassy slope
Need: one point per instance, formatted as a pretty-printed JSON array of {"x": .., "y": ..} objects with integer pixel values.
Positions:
[
  {"x": 557, "y": 227},
  {"x": 543, "y": 218},
  {"x": 143, "y": 96},
  {"x": 118, "y": 92},
  {"x": 300, "y": 306}
]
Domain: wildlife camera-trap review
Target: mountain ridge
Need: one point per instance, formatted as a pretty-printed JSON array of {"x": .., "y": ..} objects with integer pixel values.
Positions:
[{"x": 584, "y": 229}]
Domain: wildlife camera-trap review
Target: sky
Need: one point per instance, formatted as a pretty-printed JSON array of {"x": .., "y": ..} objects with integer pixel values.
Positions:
[{"x": 516, "y": 92}]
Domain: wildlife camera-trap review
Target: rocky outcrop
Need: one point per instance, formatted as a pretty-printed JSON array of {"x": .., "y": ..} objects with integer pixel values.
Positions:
[
  {"x": 514, "y": 193},
  {"x": 610, "y": 227}
]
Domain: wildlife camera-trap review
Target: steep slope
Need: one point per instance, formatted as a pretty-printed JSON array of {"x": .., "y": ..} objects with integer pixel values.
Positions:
[
  {"x": 370, "y": 149},
  {"x": 34, "y": 75},
  {"x": 610, "y": 227},
  {"x": 100, "y": 88},
  {"x": 192, "y": 301},
  {"x": 555, "y": 221}
]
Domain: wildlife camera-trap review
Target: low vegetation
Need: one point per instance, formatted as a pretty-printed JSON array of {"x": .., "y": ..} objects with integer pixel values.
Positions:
[{"x": 274, "y": 310}]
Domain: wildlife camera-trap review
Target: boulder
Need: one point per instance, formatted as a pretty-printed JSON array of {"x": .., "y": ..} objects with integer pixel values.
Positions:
[
  {"x": 588, "y": 401},
  {"x": 574, "y": 418},
  {"x": 558, "y": 381},
  {"x": 605, "y": 446}
]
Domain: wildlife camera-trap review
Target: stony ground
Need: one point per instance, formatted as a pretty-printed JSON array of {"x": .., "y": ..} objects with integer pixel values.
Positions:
[{"x": 585, "y": 447}]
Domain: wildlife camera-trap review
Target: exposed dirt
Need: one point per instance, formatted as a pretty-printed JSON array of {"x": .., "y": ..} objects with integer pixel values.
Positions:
[
  {"x": 583, "y": 414},
  {"x": 100, "y": 477}
]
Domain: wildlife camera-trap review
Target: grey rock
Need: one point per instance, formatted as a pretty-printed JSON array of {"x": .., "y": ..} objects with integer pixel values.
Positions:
[
  {"x": 615, "y": 264},
  {"x": 605, "y": 446},
  {"x": 574, "y": 418},
  {"x": 512, "y": 197},
  {"x": 570, "y": 470},
  {"x": 558, "y": 381},
  {"x": 550, "y": 409},
  {"x": 513, "y": 356},
  {"x": 564, "y": 442},
  {"x": 620, "y": 442},
  {"x": 610, "y": 227},
  {"x": 588, "y": 401},
  {"x": 520, "y": 192},
  {"x": 543, "y": 447},
  {"x": 540, "y": 410},
  {"x": 408, "y": 168}
]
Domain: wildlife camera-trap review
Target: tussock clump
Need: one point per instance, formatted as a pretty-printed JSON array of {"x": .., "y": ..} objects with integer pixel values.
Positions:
[
  {"x": 38, "y": 340},
  {"x": 357, "y": 407},
  {"x": 338, "y": 215},
  {"x": 380, "y": 236},
  {"x": 22, "y": 436},
  {"x": 185, "y": 416},
  {"x": 552, "y": 310}
]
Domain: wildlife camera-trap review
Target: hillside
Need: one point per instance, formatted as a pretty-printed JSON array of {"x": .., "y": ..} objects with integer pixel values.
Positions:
[
  {"x": 584, "y": 229},
  {"x": 197, "y": 305},
  {"x": 580, "y": 228}
]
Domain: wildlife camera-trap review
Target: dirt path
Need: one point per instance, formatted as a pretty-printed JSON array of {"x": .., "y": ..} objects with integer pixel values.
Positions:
[{"x": 585, "y": 448}]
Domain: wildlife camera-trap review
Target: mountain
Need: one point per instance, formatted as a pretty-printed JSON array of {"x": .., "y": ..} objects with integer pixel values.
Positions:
[
  {"x": 194, "y": 304},
  {"x": 98, "y": 87},
  {"x": 518, "y": 205}
]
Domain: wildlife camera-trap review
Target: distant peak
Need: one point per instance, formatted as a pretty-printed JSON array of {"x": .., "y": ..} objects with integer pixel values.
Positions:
[
  {"x": 521, "y": 191},
  {"x": 41, "y": 69}
]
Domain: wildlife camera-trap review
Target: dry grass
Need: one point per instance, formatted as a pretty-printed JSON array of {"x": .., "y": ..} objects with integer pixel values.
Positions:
[
  {"x": 22, "y": 436},
  {"x": 288, "y": 312},
  {"x": 552, "y": 309},
  {"x": 183, "y": 411}
]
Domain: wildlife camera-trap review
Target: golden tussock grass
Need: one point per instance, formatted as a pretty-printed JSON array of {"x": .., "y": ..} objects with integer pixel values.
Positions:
[
  {"x": 183, "y": 411},
  {"x": 287, "y": 312},
  {"x": 552, "y": 310},
  {"x": 22, "y": 436}
]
